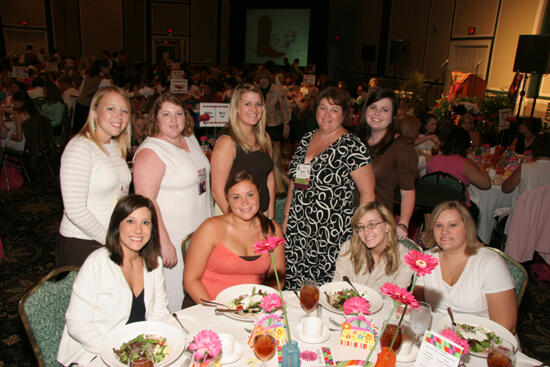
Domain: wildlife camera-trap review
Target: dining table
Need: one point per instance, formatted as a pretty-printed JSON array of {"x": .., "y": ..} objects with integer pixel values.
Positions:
[
  {"x": 488, "y": 201},
  {"x": 201, "y": 317}
]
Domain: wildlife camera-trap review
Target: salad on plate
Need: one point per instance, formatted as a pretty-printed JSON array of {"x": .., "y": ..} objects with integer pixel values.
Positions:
[
  {"x": 338, "y": 298},
  {"x": 136, "y": 348},
  {"x": 479, "y": 338},
  {"x": 248, "y": 302}
]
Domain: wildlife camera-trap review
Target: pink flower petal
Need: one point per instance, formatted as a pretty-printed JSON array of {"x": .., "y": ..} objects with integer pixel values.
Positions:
[{"x": 421, "y": 263}]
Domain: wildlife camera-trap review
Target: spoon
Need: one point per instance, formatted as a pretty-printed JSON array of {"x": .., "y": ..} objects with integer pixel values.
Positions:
[
  {"x": 452, "y": 318},
  {"x": 346, "y": 279},
  {"x": 179, "y": 322}
]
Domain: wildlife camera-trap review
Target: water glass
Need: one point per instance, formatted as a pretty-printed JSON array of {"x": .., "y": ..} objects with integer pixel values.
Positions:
[
  {"x": 501, "y": 355},
  {"x": 421, "y": 319}
]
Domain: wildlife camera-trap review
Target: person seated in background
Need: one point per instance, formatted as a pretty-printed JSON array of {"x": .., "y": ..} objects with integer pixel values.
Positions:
[
  {"x": 427, "y": 139},
  {"x": 467, "y": 123},
  {"x": 118, "y": 284},
  {"x": 470, "y": 278},
  {"x": 221, "y": 252},
  {"x": 53, "y": 107},
  {"x": 372, "y": 256},
  {"x": 26, "y": 112},
  {"x": 533, "y": 174},
  {"x": 528, "y": 131},
  {"x": 453, "y": 161}
]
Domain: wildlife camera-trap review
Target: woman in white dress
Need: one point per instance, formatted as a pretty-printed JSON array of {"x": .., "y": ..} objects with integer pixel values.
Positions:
[{"x": 171, "y": 169}]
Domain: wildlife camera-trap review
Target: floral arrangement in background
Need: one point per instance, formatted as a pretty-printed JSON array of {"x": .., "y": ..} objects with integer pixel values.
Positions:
[{"x": 206, "y": 347}]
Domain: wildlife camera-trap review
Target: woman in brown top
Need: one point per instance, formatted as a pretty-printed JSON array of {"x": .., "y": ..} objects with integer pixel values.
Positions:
[
  {"x": 395, "y": 160},
  {"x": 90, "y": 85}
]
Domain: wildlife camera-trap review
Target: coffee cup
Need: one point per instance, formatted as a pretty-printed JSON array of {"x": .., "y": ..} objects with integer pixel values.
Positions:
[
  {"x": 312, "y": 326},
  {"x": 228, "y": 344}
]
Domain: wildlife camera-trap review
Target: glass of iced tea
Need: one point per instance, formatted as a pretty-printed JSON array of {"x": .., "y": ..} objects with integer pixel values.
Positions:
[
  {"x": 264, "y": 347},
  {"x": 387, "y": 337},
  {"x": 309, "y": 295},
  {"x": 501, "y": 355}
]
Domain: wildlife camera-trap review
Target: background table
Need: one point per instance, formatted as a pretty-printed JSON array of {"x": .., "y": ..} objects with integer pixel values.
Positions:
[
  {"x": 487, "y": 201},
  {"x": 205, "y": 318}
]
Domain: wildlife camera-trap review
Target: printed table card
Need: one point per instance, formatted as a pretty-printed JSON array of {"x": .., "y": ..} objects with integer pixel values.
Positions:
[{"x": 437, "y": 350}]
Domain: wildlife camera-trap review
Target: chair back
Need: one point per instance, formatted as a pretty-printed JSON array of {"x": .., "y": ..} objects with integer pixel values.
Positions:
[
  {"x": 437, "y": 187},
  {"x": 445, "y": 179},
  {"x": 410, "y": 244},
  {"x": 518, "y": 272},
  {"x": 42, "y": 311}
]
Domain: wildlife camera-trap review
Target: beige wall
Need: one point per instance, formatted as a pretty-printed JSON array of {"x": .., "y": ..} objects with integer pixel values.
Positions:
[
  {"x": 475, "y": 13},
  {"x": 101, "y": 29},
  {"x": 14, "y": 11}
]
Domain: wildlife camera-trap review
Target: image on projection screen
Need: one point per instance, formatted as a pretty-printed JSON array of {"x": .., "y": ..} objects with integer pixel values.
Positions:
[{"x": 273, "y": 34}]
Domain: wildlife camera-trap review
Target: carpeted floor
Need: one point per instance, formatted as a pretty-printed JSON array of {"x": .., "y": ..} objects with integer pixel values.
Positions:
[{"x": 29, "y": 221}]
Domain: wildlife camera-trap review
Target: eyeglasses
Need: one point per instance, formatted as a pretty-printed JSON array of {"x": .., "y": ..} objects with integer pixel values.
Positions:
[{"x": 369, "y": 226}]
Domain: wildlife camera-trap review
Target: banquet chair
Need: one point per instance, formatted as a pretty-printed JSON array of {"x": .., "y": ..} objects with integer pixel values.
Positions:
[
  {"x": 517, "y": 271},
  {"x": 410, "y": 244},
  {"x": 42, "y": 311}
]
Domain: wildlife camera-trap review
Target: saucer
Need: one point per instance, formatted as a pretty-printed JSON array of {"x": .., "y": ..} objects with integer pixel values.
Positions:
[
  {"x": 237, "y": 354},
  {"x": 307, "y": 339}
]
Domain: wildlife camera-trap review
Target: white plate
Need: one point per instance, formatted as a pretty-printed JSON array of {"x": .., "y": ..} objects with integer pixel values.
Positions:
[
  {"x": 229, "y": 294},
  {"x": 374, "y": 298},
  {"x": 237, "y": 354},
  {"x": 174, "y": 338},
  {"x": 474, "y": 320},
  {"x": 307, "y": 339}
]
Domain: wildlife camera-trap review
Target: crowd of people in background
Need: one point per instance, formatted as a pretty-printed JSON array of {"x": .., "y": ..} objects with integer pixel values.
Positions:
[{"x": 350, "y": 154}]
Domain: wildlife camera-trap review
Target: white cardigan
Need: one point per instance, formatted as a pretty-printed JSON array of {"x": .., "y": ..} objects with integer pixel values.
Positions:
[
  {"x": 92, "y": 182},
  {"x": 101, "y": 301}
]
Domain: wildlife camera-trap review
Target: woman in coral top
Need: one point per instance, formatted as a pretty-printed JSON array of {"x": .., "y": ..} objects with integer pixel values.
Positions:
[{"x": 221, "y": 252}]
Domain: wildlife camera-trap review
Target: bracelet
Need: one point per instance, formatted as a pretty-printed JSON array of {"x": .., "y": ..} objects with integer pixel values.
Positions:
[{"x": 404, "y": 226}]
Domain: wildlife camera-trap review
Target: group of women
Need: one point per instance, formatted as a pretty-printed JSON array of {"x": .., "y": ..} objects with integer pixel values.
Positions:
[{"x": 146, "y": 239}]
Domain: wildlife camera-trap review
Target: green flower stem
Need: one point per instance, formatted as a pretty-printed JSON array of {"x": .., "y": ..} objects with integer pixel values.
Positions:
[
  {"x": 398, "y": 326},
  {"x": 395, "y": 304},
  {"x": 281, "y": 295}
]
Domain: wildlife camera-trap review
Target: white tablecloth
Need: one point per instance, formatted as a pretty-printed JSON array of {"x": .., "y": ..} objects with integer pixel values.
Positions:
[
  {"x": 488, "y": 201},
  {"x": 10, "y": 125},
  {"x": 201, "y": 317}
]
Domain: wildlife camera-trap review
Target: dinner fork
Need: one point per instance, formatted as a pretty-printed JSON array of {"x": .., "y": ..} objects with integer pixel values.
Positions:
[{"x": 179, "y": 322}]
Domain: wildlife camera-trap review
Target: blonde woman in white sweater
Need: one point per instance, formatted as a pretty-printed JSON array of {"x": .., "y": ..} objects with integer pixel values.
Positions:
[{"x": 94, "y": 176}]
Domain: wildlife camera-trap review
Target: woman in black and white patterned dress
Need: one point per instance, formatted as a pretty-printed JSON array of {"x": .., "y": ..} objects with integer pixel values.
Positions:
[{"x": 326, "y": 168}]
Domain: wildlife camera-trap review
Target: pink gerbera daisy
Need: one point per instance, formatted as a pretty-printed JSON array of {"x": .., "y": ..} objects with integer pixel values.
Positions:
[
  {"x": 206, "y": 345},
  {"x": 455, "y": 338},
  {"x": 399, "y": 295},
  {"x": 357, "y": 305},
  {"x": 268, "y": 244},
  {"x": 420, "y": 262},
  {"x": 271, "y": 302}
]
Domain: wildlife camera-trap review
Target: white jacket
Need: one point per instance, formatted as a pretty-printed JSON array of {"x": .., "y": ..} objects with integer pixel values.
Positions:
[{"x": 100, "y": 302}]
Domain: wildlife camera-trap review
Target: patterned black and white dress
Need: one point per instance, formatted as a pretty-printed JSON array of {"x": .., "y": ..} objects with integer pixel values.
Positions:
[{"x": 319, "y": 217}]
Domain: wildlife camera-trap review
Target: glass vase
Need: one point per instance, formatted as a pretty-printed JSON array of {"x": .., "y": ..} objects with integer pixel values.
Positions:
[{"x": 291, "y": 355}]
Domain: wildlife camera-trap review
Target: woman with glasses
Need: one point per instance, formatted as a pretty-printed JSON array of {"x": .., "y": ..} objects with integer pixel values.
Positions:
[{"x": 372, "y": 256}]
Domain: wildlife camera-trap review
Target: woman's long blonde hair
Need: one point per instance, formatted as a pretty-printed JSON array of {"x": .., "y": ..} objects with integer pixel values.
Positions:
[
  {"x": 124, "y": 139},
  {"x": 235, "y": 130},
  {"x": 360, "y": 254},
  {"x": 472, "y": 243}
]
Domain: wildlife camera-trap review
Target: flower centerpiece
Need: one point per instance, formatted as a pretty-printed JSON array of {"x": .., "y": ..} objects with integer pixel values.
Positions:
[
  {"x": 271, "y": 303},
  {"x": 357, "y": 331},
  {"x": 291, "y": 353},
  {"x": 422, "y": 264},
  {"x": 206, "y": 348}
]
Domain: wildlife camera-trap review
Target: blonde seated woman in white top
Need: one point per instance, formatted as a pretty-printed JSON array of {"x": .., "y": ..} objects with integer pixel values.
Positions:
[
  {"x": 469, "y": 278},
  {"x": 373, "y": 256}
]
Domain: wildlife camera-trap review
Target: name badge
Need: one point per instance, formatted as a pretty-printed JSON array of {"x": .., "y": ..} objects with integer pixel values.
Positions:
[
  {"x": 302, "y": 176},
  {"x": 202, "y": 180}
]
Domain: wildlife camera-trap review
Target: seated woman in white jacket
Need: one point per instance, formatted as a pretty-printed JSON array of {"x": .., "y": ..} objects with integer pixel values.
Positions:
[
  {"x": 373, "y": 256},
  {"x": 118, "y": 284}
]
